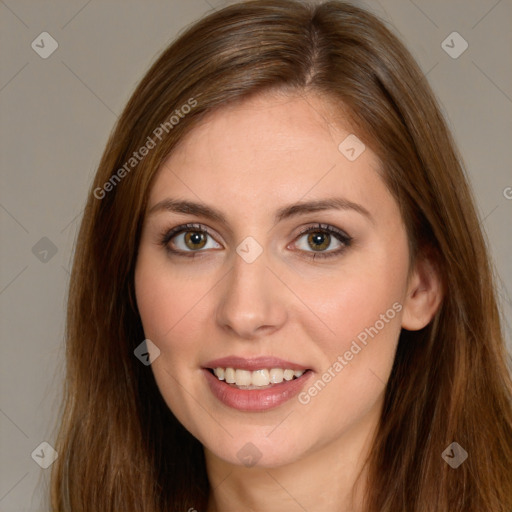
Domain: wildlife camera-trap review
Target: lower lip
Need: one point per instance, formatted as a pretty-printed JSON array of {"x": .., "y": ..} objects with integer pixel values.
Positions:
[{"x": 253, "y": 400}]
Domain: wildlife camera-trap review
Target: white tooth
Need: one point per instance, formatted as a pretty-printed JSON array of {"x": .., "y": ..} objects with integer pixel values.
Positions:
[
  {"x": 276, "y": 375},
  {"x": 229, "y": 375},
  {"x": 257, "y": 378},
  {"x": 288, "y": 374},
  {"x": 219, "y": 372},
  {"x": 243, "y": 377},
  {"x": 260, "y": 378}
]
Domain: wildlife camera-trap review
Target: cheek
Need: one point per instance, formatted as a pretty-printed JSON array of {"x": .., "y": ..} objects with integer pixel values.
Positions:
[
  {"x": 155, "y": 304},
  {"x": 368, "y": 281},
  {"x": 166, "y": 297},
  {"x": 169, "y": 307},
  {"x": 357, "y": 361},
  {"x": 351, "y": 302},
  {"x": 361, "y": 306}
]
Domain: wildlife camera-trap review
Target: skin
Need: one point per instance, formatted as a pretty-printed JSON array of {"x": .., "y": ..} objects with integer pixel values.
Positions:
[{"x": 248, "y": 160}]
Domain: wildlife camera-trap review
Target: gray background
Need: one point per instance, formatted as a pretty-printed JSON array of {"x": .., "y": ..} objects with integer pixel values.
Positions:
[{"x": 56, "y": 114}]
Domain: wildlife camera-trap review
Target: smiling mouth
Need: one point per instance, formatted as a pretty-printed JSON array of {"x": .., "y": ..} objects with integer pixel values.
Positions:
[{"x": 258, "y": 379}]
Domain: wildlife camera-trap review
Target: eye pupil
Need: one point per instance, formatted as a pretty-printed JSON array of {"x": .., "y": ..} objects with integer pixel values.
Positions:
[
  {"x": 320, "y": 240},
  {"x": 195, "y": 238}
]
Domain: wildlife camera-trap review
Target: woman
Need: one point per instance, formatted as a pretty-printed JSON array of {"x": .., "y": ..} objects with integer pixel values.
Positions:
[{"x": 281, "y": 297}]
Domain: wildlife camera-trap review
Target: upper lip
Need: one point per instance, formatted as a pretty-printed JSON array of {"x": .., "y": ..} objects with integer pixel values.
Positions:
[{"x": 251, "y": 364}]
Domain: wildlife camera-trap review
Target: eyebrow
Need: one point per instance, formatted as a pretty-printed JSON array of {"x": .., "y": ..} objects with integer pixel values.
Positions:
[{"x": 289, "y": 211}]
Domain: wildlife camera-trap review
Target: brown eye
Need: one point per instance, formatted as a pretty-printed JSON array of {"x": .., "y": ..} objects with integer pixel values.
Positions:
[
  {"x": 318, "y": 241},
  {"x": 322, "y": 241},
  {"x": 195, "y": 239},
  {"x": 188, "y": 239}
]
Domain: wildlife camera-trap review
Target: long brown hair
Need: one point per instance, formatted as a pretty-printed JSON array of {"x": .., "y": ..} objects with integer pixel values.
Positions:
[{"x": 120, "y": 447}]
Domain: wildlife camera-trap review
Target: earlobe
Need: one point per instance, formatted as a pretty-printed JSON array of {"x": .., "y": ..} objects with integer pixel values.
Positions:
[{"x": 424, "y": 295}]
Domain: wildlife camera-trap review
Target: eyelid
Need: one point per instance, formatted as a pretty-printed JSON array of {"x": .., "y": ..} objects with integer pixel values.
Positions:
[{"x": 325, "y": 227}]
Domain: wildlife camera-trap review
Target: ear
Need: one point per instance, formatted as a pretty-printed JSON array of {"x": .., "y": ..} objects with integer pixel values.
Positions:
[{"x": 424, "y": 294}]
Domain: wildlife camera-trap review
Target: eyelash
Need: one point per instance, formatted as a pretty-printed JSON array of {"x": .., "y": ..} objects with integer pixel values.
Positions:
[{"x": 342, "y": 237}]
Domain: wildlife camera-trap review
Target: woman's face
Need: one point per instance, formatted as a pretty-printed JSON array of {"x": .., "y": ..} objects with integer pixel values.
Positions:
[{"x": 244, "y": 282}]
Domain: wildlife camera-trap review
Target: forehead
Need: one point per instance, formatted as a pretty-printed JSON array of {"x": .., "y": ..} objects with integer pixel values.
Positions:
[
  {"x": 269, "y": 149},
  {"x": 271, "y": 126}
]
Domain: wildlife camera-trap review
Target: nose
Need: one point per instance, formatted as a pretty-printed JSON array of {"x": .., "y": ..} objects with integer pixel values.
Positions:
[{"x": 252, "y": 300}]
